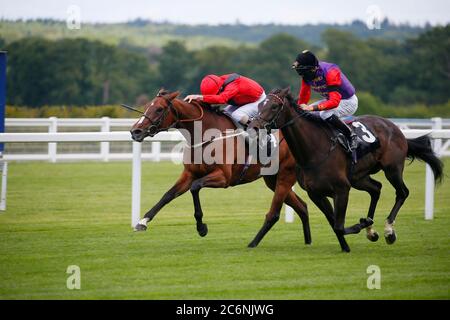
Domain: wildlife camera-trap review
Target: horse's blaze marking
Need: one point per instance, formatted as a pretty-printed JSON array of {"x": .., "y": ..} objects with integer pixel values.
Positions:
[{"x": 141, "y": 120}]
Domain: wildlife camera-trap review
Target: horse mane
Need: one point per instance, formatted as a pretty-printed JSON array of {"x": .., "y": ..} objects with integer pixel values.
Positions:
[
  {"x": 206, "y": 107},
  {"x": 302, "y": 113}
]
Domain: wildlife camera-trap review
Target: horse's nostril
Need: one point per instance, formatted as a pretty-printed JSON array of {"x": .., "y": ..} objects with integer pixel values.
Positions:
[{"x": 136, "y": 131}]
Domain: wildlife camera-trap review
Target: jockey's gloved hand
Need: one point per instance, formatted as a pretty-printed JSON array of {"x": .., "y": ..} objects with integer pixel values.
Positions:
[
  {"x": 191, "y": 97},
  {"x": 306, "y": 107}
]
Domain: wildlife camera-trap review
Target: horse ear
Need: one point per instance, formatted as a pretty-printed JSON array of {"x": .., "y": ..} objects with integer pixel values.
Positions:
[
  {"x": 161, "y": 92},
  {"x": 286, "y": 90},
  {"x": 173, "y": 95}
]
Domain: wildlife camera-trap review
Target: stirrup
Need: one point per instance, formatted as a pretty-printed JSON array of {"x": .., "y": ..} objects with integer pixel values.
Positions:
[{"x": 353, "y": 142}]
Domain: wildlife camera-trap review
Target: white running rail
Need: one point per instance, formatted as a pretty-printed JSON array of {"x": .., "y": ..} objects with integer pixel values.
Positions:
[{"x": 106, "y": 124}]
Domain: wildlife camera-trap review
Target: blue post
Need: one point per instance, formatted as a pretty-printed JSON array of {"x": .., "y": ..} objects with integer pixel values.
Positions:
[{"x": 2, "y": 95}]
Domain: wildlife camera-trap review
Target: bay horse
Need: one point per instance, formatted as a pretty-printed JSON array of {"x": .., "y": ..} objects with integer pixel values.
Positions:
[
  {"x": 166, "y": 111},
  {"x": 325, "y": 169}
]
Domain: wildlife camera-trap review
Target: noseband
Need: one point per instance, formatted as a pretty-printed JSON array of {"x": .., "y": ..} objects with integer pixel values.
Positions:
[
  {"x": 155, "y": 125},
  {"x": 154, "y": 128},
  {"x": 268, "y": 125}
]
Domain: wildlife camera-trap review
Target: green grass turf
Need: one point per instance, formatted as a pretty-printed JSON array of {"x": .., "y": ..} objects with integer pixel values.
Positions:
[{"x": 79, "y": 214}]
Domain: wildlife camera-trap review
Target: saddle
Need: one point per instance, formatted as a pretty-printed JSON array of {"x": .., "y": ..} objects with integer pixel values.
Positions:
[{"x": 367, "y": 141}]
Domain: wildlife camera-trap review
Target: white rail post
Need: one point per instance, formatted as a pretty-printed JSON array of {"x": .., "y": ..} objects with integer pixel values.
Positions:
[
  {"x": 429, "y": 176},
  {"x": 136, "y": 184},
  {"x": 156, "y": 151},
  {"x": 52, "y": 128},
  {"x": 4, "y": 184},
  {"x": 437, "y": 124},
  {"x": 104, "y": 146},
  {"x": 289, "y": 213}
]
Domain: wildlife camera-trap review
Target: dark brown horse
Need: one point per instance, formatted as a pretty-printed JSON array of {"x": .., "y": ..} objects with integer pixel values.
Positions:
[
  {"x": 324, "y": 168},
  {"x": 166, "y": 111}
]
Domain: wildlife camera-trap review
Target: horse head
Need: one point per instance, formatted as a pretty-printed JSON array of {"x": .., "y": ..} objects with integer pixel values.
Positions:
[
  {"x": 270, "y": 115},
  {"x": 157, "y": 116}
]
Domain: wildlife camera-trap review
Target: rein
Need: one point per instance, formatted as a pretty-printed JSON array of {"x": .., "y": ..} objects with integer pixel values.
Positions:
[
  {"x": 272, "y": 124},
  {"x": 155, "y": 125}
]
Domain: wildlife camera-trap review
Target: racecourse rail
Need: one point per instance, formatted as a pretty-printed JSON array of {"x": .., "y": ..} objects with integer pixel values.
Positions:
[
  {"x": 439, "y": 135},
  {"x": 106, "y": 124}
]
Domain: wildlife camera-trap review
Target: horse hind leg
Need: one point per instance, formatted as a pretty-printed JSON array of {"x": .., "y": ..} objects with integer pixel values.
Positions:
[
  {"x": 300, "y": 207},
  {"x": 395, "y": 177},
  {"x": 373, "y": 187}
]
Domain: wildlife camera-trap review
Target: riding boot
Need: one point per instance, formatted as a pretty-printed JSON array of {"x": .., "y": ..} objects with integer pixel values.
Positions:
[{"x": 342, "y": 127}]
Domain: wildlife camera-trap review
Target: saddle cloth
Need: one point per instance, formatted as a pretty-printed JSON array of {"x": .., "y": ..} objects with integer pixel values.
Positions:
[{"x": 367, "y": 140}]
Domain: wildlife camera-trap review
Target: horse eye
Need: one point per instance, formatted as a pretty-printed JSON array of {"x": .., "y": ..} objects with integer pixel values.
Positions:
[
  {"x": 274, "y": 107},
  {"x": 159, "y": 110}
]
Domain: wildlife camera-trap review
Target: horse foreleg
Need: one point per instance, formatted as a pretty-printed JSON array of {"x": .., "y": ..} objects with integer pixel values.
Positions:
[
  {"x": 216, "y": 179},
  {"x": 181, "y": 186},
  {"x": 300, "y": 207},
  {"x": 325, "y": 206},
  {"x": 373, "y": 187},
  {"x": 340, "y": 210}
]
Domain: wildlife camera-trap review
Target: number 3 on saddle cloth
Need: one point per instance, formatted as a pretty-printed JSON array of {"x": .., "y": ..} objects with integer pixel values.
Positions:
[{"x": 367, "y": 141}]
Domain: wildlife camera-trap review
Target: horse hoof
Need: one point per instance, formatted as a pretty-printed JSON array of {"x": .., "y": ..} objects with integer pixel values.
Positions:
[
  {"x": 346, "y": 250},
  {"x": 390, "y": 238},
  {"x": 373, "y": 237},
  {"x": 140, "y": 227},
  {"x": 252, "y": 245},
  {"x": 202, "y": 230}
]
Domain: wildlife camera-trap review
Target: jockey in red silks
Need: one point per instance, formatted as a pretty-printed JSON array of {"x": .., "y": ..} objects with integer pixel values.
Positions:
[
  {"x": 329, "y": 81},
  {"x": 242, "y": 95}
]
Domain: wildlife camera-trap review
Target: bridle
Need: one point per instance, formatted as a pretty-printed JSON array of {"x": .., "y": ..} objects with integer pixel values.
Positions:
[
  {"x": 154, "y": 127},
  {"x": 272, "y": 124}
]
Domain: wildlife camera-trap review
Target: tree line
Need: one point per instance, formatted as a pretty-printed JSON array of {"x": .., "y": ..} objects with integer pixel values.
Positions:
[{"x": 82, "y": 72}]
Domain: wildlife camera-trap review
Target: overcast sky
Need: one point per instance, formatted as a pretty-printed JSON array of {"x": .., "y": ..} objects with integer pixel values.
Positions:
[{"x": 229, "y": 11}]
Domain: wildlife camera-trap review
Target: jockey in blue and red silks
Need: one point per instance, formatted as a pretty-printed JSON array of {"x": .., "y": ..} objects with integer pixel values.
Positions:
[{"x": 329, "y": 81}]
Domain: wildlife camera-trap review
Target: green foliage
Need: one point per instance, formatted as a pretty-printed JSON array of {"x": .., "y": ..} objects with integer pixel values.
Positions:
[
  {"x": 145, "y": 34},
  {"x": 370, "y": 104},
  {"x": 175, "y": 64},
  {"x": 78, "y": 72},
  {"x": 400, "y": 73},
  {"x": 271, "y": 62},
  {"x": 429, "y": 64}
]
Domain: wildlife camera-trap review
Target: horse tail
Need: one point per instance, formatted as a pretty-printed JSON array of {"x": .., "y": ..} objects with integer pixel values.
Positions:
[{"x": 421, "y": 149}]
